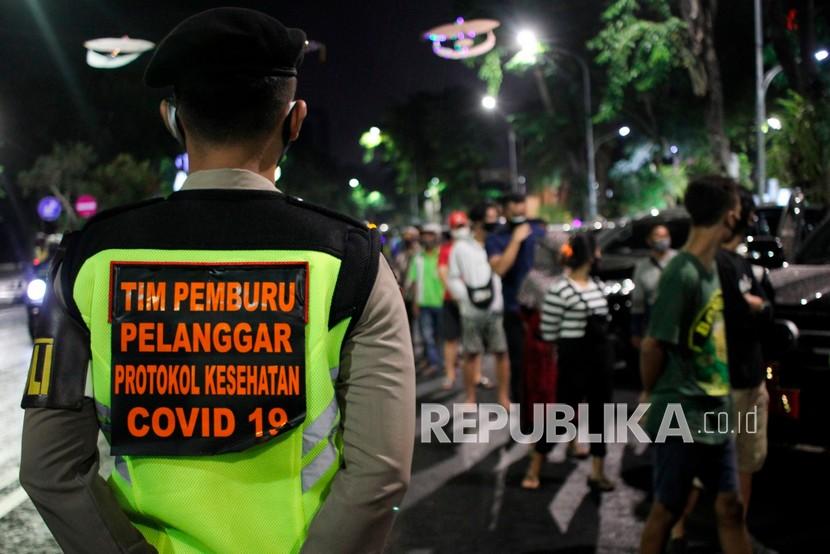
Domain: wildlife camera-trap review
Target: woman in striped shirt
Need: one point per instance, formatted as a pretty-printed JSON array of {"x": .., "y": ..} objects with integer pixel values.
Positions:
[{"x": 575, "y": 317}]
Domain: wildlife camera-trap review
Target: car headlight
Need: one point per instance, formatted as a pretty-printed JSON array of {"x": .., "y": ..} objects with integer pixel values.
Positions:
[{"x": 36, "y": 290}]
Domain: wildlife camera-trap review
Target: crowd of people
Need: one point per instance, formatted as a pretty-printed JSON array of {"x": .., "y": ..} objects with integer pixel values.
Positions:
[{"x": 504, "y": 285}]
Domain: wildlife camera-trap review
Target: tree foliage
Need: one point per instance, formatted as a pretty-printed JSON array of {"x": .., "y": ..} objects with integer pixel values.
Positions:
[
  {"x": 799, "y": 154},
  {"x": 71, "y": 170},
  {"x": 443, "y": 135},
  {"x": 640, "y": 44}
]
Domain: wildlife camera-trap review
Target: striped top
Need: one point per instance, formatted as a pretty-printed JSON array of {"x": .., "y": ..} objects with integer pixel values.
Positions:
[{"x": 567, "y": 307}]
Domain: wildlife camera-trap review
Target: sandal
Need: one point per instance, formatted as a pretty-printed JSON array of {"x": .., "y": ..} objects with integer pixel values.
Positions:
[
  {"x": 485, "y": 383},
  {"x": 530, "y": 482},
  {"x": 603, "y": 484}
]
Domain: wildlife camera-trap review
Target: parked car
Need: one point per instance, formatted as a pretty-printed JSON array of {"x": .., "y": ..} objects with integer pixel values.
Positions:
[
  {"x": 798, "y": 372},
  {"x": 12, "y": 269},
  {"x": 623, "y": 245}
]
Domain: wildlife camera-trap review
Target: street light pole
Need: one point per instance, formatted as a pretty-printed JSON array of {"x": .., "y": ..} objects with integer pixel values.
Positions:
[
  {"x": 513, "y": 157},
  {"x": 761, "y": 85},
  {"x": 490, "y": 104}
]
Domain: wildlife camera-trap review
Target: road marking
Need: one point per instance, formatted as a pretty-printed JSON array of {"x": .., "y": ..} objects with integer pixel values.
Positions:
[
  {"x": 619, "y": 528},
  {"x": 9, "y": 477},
  {"x": 427, "y": 481},
  {"x": 507, "y": 457},
  {"x": 12, "y": 500},
  {"x": 569, "y": 497}
]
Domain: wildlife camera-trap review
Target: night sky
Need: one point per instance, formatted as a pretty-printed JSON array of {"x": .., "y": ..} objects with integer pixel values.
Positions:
[{"x": 375, "y": 58}]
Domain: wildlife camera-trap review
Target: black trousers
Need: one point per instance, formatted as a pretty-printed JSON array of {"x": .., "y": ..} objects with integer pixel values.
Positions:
[
  {"x": 585, "y": 376},
  {"x": 515, "y": 334}
]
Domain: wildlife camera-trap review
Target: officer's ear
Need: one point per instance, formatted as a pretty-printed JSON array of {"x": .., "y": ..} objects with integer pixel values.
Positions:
[
  {"x": 167, "y": 110},
  {"x": 296, "y": 117}
]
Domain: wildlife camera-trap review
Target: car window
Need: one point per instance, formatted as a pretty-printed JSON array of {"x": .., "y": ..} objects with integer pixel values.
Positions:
[
  {"x": 817, "y": 248},
  {"x": 633, "y": 237}
]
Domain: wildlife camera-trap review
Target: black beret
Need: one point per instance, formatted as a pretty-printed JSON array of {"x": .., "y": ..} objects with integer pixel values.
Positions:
[{"x": 226, "y": 42}]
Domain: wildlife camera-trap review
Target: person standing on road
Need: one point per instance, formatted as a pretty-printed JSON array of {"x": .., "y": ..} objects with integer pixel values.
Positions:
[
  {"x": 450, "y": 314},
  {"x": 575, "y": 317},
  {"x": 234, "y": 344},
  {"x": 477, "y": 288},
  {"x": 684, "y": 366},
  {"x": 511, "y": 249},
  {"x": 746, "y": 311},
  {"x": 424, "y": 279},
  {"x": 646, "y": 276}
]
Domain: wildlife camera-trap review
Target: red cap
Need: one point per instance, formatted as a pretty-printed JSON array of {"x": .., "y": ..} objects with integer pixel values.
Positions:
[{"x": 457, "y": 219}]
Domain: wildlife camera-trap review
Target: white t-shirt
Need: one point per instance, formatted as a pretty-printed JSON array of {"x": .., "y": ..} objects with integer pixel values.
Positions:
[{"x": 469, "y": 266}]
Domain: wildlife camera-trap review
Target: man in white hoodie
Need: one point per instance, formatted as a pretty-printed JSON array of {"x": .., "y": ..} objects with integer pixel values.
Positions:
[{"x": 477, "y": 289}]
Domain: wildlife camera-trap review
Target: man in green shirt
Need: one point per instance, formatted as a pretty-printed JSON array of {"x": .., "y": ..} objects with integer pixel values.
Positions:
[
  {"x": 423, "y": 276},
  {"x": 685, "y": 376}
]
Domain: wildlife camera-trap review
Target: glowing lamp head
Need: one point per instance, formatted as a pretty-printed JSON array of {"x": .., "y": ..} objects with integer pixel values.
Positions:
[
  {"x": 527, "y": 40},
  {"x": 624, "y": 131},
  {"x": 774, "y": 123},
  {"x": 36, "y": 290},
  {"x": 821, "y": 55},
  {"x": 489, "y": 102}
]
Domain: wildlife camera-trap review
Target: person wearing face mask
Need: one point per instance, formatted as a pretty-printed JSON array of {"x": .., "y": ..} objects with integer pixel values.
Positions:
[
  {"x": 511, "y": 249},
  {"x": 451, "y": 318},
  {"x": 747, "y": 311},
  {"x": 646, "y": 276},
  {"x": 424, "y": 279},
  {"x": 683, "y": 365},
  {"x": 478, "y": 290},
  {"x": 244, "y": 465}
]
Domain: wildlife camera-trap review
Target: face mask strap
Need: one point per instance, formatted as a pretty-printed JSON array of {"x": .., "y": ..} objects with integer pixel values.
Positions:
[
  {"x": 286, "y": 132},
  {"x": 171, "y": 121}
]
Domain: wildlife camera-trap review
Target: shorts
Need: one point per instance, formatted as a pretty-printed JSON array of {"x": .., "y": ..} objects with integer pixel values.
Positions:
[
  {"x": 483, "y": 333},
  {"x": 451, "y": 320},
  {"x": 752, "y": 409},
  {"x": 676, "y": 464}
]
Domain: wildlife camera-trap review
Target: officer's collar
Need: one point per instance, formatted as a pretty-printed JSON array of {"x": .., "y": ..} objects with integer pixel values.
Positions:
[{"x": 228, "y": 179}]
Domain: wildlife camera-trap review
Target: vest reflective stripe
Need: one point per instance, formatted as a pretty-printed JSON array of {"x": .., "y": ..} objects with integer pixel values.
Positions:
[
  {"x": 319, "y": 465},
  {"x": 321, "y": 428},
  {"x": 121, "y": 468},
  {"x": 262, "y": 499}
]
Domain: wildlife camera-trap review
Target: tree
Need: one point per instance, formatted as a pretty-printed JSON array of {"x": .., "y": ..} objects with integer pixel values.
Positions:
[
  {"x": 70, "y": 170},
  {"x": 799, "y": 153},
  {"x": 443, "y": 135},
  {"x": 64, "y": 173},
  {"x": 641, "y": 44}
]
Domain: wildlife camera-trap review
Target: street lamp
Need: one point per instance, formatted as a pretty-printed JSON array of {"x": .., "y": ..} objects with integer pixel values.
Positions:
[
  {"x": 354, "y": 183},
  {"x": 622, "y": 132},
  {"x": 530, "y": 47},
  {"x": 774, "y": 123},
  {"x": 489, "y": 103}
]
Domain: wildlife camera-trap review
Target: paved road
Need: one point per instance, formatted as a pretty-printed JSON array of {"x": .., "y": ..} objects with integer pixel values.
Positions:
[{"x": 466, "y": 498}]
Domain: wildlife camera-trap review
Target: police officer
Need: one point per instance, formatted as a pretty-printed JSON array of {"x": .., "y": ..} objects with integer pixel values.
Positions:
[{"x": 246, "y": 355}]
